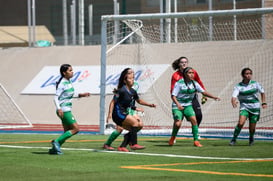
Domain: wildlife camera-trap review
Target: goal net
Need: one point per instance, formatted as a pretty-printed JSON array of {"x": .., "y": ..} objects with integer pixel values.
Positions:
[
  {"x": 11, "y": 116},
  {"x": 218, "y": 44}
]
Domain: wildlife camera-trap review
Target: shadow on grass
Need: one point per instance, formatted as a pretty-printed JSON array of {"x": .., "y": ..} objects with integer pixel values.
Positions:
[{"x": 40, "y": 152}]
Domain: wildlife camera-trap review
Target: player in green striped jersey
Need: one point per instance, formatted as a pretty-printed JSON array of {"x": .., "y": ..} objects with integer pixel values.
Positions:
[
  {"x": 182, "y": 96},
  {"x": 63, "y": 102},
  {"x": 247, "y": 93}
]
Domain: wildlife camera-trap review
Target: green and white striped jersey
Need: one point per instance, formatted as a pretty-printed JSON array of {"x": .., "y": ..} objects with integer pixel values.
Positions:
[
  {"x": 247, "y": 94},
  {"x": 64, "y": 95},
  {"x": 184, "y": 93}
]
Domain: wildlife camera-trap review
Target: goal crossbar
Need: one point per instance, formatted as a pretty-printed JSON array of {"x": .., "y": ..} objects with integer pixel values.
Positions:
[{"x": 189, "y": 14}]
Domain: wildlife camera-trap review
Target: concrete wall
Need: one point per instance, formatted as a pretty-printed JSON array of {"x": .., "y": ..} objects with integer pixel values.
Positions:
[{"x": 18, "y": 66}]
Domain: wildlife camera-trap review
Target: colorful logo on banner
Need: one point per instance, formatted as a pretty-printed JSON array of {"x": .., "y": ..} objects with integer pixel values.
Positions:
[
  {"x": 77, "y": 77},
  {"x": 87, "y": 78}
]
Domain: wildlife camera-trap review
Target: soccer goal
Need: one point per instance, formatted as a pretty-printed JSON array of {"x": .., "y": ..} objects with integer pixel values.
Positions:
[
  {"x": 11, "y": 116},
  {"x": 218, "y": 45}
]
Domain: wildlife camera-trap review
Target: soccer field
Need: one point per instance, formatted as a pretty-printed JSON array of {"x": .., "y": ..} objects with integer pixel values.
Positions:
[{"x": 25, "y": 157}]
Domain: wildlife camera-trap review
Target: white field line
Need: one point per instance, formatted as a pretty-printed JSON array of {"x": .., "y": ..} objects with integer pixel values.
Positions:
[{"x": 136, "y": 153}]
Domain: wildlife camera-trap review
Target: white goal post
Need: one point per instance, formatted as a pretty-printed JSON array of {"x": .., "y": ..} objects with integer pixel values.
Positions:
[
  {"x": 218, "y": 44},
  {"x": 11, "y": 116}
]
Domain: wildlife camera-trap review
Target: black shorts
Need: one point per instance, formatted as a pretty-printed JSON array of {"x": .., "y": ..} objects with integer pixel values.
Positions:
[{"x": 119, "y": 116}]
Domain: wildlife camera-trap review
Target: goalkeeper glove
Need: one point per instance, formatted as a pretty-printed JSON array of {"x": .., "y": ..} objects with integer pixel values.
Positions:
[{"x": 204, "y": 100}]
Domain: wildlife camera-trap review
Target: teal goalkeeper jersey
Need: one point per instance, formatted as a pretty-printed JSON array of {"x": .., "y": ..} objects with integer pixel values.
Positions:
[
  {"x": 64, "y": 95},
  {"x": 247, "y": 94}
]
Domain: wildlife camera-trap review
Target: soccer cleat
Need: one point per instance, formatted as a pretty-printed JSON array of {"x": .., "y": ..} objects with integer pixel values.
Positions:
[
  {"x": 107, "y": 147},
  {"x": 172, "y": 141},
  {"x": 124, "y": 149},
  {"x": 197, "y": 144},
  {"x": 137, "y": 147},
  {"x": 52, "y": 151},
  {"x": 56, "y": 146},
  {"x": 232, "y": 142}
]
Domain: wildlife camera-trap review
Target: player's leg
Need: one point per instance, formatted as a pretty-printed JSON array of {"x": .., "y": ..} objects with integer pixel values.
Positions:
[
  {"x": 190, "y": 115},
  {"x": 125, "y": 142},
  {"x": 242, "y": 119},
  {"x": 112, "y": 138},
  {"x": 195, "y": 133},
  {"x": 134, "y": 125},
  {"x": 177, "y": 117},
  {"x": 118, "y": 131},
  {"x": 71, "y": 128},
  {"x": 253, "y": 119}
]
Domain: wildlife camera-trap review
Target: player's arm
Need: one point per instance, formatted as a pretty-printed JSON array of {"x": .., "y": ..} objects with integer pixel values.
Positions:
[
  {"x": 261, "y": 90},
  {"x": 264, "y": 104},
  {"x": 58, "y": 107},
  {"x": 205, "y": 93},
  {"x": 197, "y": 79},
  {"x": 234, "y": 100},
  {"x": 173, "y": 81},
  {"x": 111, "y": 107},
  {"x": 175, "y": 92},
  {"x": 210, "y": 96},
  {"x": 57, "y": 102},
  {"x": 86, "y": 94},
  {"x": 144, "y": 103},
  {"x": 175, "y": 78},
  {"x": 177, "y": 103}
]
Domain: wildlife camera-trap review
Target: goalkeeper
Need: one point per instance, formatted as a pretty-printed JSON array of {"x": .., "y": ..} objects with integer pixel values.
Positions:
[{"x": 179, "y": 65}]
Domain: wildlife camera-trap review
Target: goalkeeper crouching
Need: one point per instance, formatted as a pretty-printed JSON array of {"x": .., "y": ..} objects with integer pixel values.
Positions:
[{"x": 125, "y": 100}]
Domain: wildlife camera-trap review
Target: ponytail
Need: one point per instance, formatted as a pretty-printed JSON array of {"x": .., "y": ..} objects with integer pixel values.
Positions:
[
  {"x": 63, "y": 68},
  {"x": 58, "y": 82}
]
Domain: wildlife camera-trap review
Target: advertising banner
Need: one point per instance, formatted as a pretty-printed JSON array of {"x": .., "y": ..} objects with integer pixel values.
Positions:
[{"x": 87, "y": 78}]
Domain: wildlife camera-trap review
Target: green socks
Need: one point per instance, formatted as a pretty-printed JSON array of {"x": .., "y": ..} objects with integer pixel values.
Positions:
[
  {"x": 236, "y": 133},
  {"x": 112, "y": 137},
  {"x": 195, "y": 132},
  {"x": 175, "y": 131},
  {"x": 64, "y": 137}
]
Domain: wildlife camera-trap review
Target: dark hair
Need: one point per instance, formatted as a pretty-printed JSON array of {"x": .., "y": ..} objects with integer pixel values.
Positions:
[
  {"x": 122, "y": 77},
  {"x": 184, "y": 76},
  {"x": 175, "y": 63},
  {"x": 63, "y": 68},
  {"x": 186, "y": 70},
  {"x": 244, "y": 71}
]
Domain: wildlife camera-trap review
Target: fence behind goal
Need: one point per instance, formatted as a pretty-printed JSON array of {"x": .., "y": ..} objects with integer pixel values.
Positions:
[{"x": 218, "y": 45}]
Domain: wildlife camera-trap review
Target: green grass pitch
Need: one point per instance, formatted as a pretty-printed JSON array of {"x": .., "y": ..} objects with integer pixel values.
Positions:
[{"x": 24, "y": 157}]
